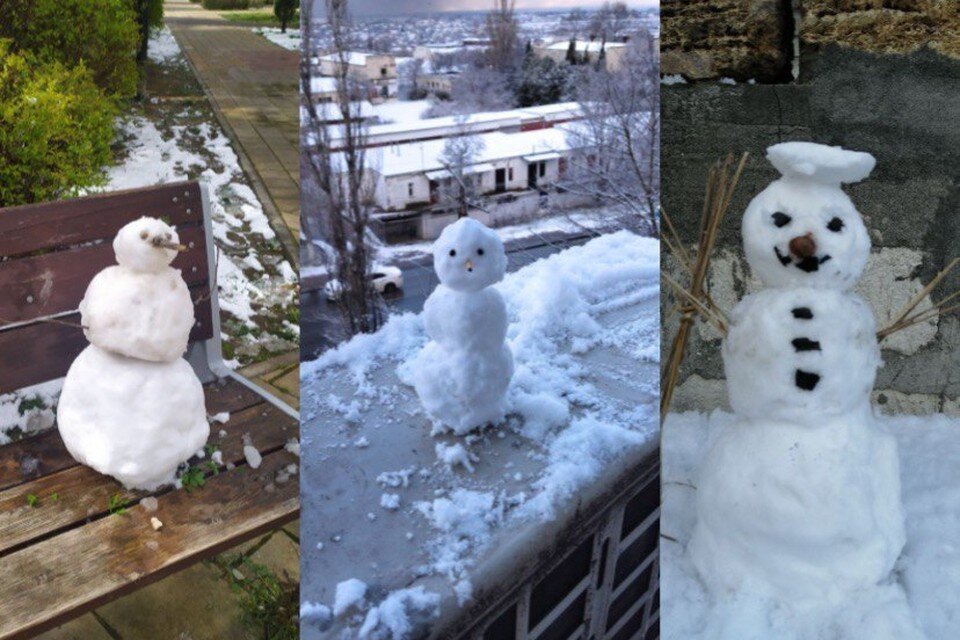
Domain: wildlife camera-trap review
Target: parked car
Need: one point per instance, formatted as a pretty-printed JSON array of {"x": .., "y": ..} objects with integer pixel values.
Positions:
[{"x": 385, "y": 279}]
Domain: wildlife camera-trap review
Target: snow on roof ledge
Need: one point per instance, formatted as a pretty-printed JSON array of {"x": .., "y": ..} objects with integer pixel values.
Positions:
[{"x": 584, "y": 324}]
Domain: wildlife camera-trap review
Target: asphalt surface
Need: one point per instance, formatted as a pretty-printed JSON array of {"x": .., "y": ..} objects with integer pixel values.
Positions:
[{"x": 320, "y": 327}]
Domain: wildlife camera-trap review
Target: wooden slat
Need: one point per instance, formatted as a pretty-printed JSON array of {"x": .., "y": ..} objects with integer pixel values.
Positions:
[
  {"x": 46, "y": 453},
  {"x": 82, "y": 493},
  {"x": 69, "y": 222},
  {"x": 54, "y": 283},
  {"x": 44, "y": 351},
  {"x": 54, "y": 580}
]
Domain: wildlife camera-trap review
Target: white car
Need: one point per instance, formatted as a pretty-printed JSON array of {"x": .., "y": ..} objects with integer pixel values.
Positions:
[{"x": 385, "y": 279}]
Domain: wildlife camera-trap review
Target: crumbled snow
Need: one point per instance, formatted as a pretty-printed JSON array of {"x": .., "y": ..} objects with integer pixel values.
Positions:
[
  {"x": 455, "y": 454},
  {"x": 926, "y": 583},
  {"x": 362, "y": 443},
  {"x": 252, "y": 455},
  {"x": 350, "y": 594},
  {"x": 396, "y": 479},
  {"x": 315, "y": 613},
  {"x": 293, "y": 446},
  {"x": 163, "y": 48},
  {"x": 390, "y": 501},
  {"x": 149, "y": 504},
  {"x": 220, "y": 418},
  {"x": 155, "y": 523},
  {"x": 391, "y": 619}
]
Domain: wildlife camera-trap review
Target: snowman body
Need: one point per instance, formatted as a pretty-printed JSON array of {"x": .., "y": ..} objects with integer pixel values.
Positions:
[
  {"x": 131, "y": 407},
  {"x": 461, "y": 376},
  {"x": 799, "y": 500},
  {"x": 141, "y": 307}
]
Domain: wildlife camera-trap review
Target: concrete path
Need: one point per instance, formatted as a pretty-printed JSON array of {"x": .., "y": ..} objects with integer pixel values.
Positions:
[{"x": 254, "y": 89}]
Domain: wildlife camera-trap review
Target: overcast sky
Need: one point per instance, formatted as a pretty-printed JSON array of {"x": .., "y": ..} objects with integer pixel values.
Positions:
[{"x": 368, "y": 7}]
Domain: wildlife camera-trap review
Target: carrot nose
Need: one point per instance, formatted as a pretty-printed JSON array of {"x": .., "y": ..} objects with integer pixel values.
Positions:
[
  {"x": 803, "y": 246},
  {"x": 469, "y": 265}
]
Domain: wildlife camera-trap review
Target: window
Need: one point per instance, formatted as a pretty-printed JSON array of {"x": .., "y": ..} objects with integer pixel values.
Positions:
[
  {"x": 410, "y": 189},
  {"x": 510, "y": 174},
  {"x": 383, "y": 71},
  {"x": 543, "y": 169}
]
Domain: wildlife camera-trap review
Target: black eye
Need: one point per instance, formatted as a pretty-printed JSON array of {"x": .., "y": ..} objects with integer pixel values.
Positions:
[
  {"x": 479, "y": 252},
  {"x": 453, "y": 252},
  {"x": 781, "y": 219},
  {"x": 835, "y": 225}
]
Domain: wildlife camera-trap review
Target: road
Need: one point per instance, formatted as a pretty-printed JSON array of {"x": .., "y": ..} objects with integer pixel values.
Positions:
[{"x": 320, "y": 325}]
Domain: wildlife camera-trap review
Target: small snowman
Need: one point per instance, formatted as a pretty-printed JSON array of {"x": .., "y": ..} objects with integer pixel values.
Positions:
[
  {"x": 131, "y": 407},
  {"x": 462, "y": 374},
  {"x": 799, "y": 499}
]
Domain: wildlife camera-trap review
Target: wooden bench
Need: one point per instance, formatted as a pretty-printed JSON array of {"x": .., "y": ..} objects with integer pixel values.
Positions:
[{"x": 70, "y": 551}]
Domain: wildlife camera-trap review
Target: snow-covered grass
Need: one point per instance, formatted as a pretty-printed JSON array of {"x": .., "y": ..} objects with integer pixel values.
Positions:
[
  {"x": 580, "y": 399},
  {"x": 165, "y": 143},
  {"x": 289, "y": 40},
  {"x": 925, "y": 585}
]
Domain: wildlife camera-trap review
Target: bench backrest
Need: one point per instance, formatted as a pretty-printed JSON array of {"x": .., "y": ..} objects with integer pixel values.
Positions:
[{"x": 49, "y": 252}]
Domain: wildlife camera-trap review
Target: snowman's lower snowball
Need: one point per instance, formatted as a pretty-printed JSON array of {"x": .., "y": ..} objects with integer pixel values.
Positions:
[{"x": 136, "y": 421}]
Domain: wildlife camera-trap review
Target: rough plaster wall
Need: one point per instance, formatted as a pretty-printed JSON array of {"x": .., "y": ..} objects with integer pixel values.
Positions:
[{"x": 903, "y": 108}]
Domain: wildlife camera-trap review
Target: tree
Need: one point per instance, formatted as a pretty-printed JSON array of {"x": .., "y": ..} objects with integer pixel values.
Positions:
[
  {"x": 477, "y": 89},
  {"x": 343, "y": 179},
  {"x": 618, "y": 162},
  {"x": 460, "y": 189},
  {"x": 610, "y": 19},
  {"x": 542, "y": 81},
  {"x": 285, "y": 11},
  {"x": 572, "y": 51},
  {"x": 503, "y": 32}
]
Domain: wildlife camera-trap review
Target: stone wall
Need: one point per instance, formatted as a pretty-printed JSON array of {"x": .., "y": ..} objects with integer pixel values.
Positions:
[{"x": 899, "y": 102}]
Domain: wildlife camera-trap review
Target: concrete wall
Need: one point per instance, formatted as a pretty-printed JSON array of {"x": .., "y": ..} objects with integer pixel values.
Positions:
[{"x": 901, "y": 104}]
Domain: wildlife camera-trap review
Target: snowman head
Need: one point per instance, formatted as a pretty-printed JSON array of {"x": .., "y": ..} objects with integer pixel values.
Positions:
[
  {"x": 146, "y": 245},
  {"x": 468, "y": 256},
  {"x": 803, "y": 230}
]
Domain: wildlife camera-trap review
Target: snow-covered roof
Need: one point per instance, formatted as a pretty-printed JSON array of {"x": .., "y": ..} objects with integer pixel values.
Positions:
[
  {"x": 586, "y": 45},
  {"x": 323, "y": 84},
  {"x": 420, "y": 157},
  {"x": 355, "y": 58}
]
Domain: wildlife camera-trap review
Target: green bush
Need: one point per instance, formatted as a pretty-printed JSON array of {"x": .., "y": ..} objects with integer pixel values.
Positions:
[
  {"x": 225, "y": 4},
  {"x": 56, "y": 128},
  {"x": 286, "y": 11},
  {"x": 102, "y": 34}
]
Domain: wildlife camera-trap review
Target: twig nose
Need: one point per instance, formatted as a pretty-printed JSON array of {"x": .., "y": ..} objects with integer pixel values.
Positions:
[
  {"x": 803, "y": 246},
  {"x": 163, "y": 244},
  {"x": 469, "y": 265}
]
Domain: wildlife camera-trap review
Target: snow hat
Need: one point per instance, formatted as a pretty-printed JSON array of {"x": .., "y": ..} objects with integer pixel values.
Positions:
[
  {"x": 803, "y": 230},
  {"x": 468, "y": 256},
  {"x": 146, "y": 245}
]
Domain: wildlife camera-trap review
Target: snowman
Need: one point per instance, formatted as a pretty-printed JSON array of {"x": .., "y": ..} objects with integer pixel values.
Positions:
[
  {"x": 799, "y": 500},
  {"x": 131, "y": 407},
  {"x": 462, "y": 374}
]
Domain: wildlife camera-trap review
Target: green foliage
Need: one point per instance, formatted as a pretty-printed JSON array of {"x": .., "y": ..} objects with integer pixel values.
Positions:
[
  {"x": 225, "y": 4},
  {"x": 33, "y": 500},
  {"x": 115, "y": 505},
  {"x": 542, "y": 81},
  {"x": 286, "y": 11},
  {"x": 56, "y": 128},
  {"x": 101, "y": 34},
  {"x": 192, "y": 478},
  {"x": 270, "y": 604},
  {"x": 30, "y": 403},
  {"x": 260, "y": 18}
]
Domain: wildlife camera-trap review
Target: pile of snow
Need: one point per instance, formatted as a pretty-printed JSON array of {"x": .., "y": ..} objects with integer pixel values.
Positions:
[
  {"x": 289, "y": 40},
  {"x": 163, "y": 48},
  {"x": 924, "y": 587},
  {"x": 562, "y": 310},
  {"x": 29, "y": 410},
  {"x": 396, "y": 617}
]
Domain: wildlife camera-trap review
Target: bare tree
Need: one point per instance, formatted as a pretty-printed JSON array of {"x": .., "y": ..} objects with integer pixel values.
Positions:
[
  {"x": 503, "y": 31},
  {"x": 609, "y": 20},
  {"x": 477, "y": 89},
  {"x": 619, "y": 137},
  {"x": 460, "y": 189},
  {"x": 343, "y": 179}
]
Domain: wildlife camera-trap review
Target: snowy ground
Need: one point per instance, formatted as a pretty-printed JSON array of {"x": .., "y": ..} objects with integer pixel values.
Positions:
[
  {"x": 289, "y": 40},
  {"x": 927, "y": 576},
  {"x": 168, "y": 141},
  {"x": 390, "y": 505}
]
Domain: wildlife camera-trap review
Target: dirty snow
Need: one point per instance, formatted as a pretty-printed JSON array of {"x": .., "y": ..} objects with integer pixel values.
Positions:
[
  {"x": 926, "y": 581},
  {"x": 163, "y": 48}
]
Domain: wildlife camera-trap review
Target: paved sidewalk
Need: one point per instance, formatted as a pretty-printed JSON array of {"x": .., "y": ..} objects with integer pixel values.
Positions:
[{"x": 254, "y": 89}]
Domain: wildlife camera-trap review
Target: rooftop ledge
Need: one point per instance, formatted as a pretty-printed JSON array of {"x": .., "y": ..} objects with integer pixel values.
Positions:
[{"x": 382, "y": 507}]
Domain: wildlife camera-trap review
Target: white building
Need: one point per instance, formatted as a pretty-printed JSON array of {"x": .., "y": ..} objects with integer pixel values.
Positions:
[
  {"x": 379, "y": 70},
  {"x": 590, "y": 49},
  {"x": 410, "y": 174}
]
